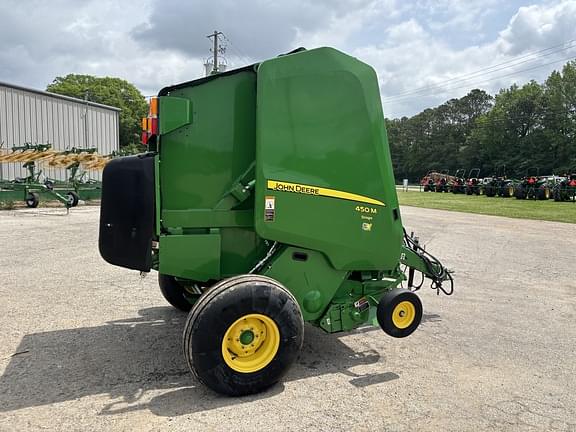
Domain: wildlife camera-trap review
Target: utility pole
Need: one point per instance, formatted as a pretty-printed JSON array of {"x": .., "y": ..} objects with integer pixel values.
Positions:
[{"x": 216, "y": 49}]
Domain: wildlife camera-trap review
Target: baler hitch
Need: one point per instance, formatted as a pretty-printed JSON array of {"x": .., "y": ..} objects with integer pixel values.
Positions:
[{"x": 416, "y": 258}]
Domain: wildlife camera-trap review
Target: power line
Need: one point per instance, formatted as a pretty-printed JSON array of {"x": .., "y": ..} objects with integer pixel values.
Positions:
[
  {"x": 238, "y": 51},
  {"x": 480, "y": 72},
  {"x": 489, "y": 80},
  {"x": 463, "y": 77}
]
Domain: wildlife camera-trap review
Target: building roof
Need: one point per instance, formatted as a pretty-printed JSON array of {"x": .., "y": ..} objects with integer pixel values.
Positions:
[{"x": 58, "y": 96}]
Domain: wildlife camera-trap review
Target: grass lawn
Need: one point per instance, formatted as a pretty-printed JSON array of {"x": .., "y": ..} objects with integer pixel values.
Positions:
[{"x": 496, "y": 206}]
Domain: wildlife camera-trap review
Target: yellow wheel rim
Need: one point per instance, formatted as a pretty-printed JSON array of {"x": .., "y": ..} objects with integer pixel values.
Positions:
[
  {"x": 403, "y": 314},
  {"x": 250, "y": 343}
]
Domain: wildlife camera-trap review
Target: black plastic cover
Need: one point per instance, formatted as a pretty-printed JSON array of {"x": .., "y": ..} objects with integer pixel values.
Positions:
[{"x": 127, "y": 212}]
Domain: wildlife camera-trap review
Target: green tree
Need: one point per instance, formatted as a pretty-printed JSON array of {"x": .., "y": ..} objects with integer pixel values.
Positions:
[
  {"x": 437, "y": 138},
  {"x": 510, "y": 136},
  {"x": 108, "y": 91},
  {"x": 559, "y": 118},
  {"x": 472, "y": 107}
]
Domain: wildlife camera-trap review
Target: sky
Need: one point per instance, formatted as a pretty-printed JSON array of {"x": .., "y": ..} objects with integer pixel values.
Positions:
[{"x": 424, "y": 51}]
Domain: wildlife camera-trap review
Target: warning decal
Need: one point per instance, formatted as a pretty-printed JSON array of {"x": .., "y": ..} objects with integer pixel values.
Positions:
[{"x": 269, "y": 208}]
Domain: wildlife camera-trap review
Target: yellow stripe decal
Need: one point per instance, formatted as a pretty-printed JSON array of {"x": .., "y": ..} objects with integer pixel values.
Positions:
[{"x": 315, "y": 190}]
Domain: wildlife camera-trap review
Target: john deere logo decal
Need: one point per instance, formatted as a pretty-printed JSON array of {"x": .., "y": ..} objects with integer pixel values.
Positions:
[{"x": 319, "y": 191}]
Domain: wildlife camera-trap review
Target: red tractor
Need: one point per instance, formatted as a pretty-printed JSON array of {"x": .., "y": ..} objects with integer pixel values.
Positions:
[
  {"x": 443, "y": 181},
  {"x": 474, "y": 183},
  {"x": 427, "y": 182},
  {"x": 458, "y": 184}
]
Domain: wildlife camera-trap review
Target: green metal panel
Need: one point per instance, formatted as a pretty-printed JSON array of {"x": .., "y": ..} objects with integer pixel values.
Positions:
[
  {"x": 323, "y": 160},
  {"x": 200, "y": 161},
  {"x": 206, "y": 145},
  {"x": 309, "y": 276},
  {"x": 12, "y": 195},
  {"x": 179, "y": 113},
  {"x": 345, "y": 317},
  {"x": 209, "y": 218},
  {"x": 89, "y": 194},
  {"x": 241, "y": 250},
  {"x": 195, "y": 257}
]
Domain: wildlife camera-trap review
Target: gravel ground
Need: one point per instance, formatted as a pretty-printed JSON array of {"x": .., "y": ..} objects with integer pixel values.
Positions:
[{"x": 87, "y": 346}]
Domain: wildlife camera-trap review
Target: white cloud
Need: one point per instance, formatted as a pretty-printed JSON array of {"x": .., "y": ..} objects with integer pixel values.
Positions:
[
  {"x": 60, "y": 37},
  {"x": 155, "y": 43},
  {"x": 539, "y": 26},
  {"x": 340, "y": 28},
  {"x": 263, "y": 28},
  {"x": 466, "y": 15},
  {"x": 411, "y": 58}
]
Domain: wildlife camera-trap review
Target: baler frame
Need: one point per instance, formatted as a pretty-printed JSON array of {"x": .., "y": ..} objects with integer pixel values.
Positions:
[{"x": 243, "y": 209}]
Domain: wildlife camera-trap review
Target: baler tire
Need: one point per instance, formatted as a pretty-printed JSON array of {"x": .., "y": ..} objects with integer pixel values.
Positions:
[
  {"x": 216, "y": 317},
  {"x": 32, "y": 200},
  {"x": 173, "y": 292},
  {"x": 390, "y": 309}
]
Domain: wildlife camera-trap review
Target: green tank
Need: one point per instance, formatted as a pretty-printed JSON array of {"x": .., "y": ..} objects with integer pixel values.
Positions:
[{"x": 266, "y": 200}]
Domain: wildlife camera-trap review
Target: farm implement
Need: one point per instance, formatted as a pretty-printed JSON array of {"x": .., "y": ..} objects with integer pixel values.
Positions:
[
  {"x": 437, "y": 181},
  {"x": 32, "y": 187},
  {"x": 78, "y": 162},
  {"x": 242, "y": 207}
]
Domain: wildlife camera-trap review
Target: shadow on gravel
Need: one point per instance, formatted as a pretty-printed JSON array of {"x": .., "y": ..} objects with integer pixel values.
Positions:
[
  {"x": 125, "y": 359},
  {"x": 432, "y": 318}
]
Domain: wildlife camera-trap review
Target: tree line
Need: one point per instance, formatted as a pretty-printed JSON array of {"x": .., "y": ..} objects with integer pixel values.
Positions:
[{"x": 515, "y": 132}]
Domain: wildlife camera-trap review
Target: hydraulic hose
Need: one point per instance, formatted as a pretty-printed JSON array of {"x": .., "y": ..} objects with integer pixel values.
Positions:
[{"x": 435, "y": 270}]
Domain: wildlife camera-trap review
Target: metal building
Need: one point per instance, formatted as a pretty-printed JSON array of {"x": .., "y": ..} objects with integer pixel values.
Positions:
[{"x": 38, "y": 117}]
